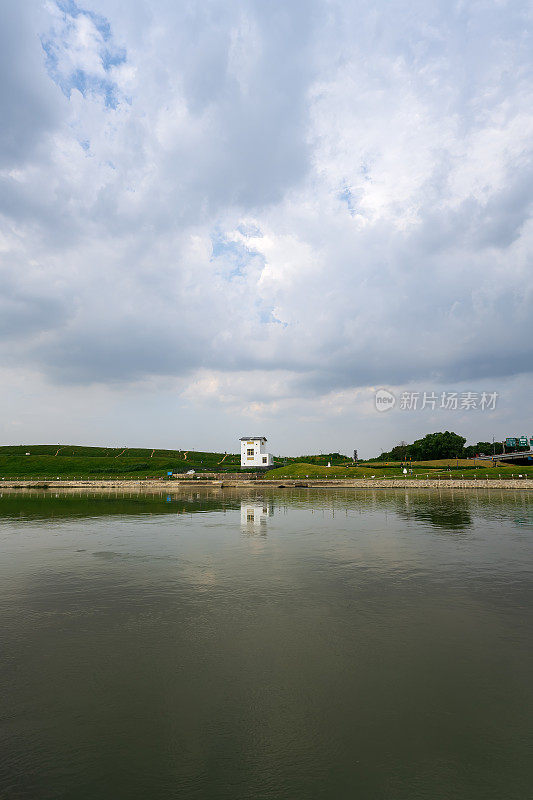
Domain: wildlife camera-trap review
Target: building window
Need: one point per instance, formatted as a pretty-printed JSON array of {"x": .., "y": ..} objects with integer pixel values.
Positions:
[
  {"x": 250, "y": 451},
  {"x": 265, "y": 459}
]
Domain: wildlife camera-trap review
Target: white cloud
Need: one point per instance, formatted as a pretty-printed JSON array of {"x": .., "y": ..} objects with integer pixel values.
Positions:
[{"x": 275, "y": 206}]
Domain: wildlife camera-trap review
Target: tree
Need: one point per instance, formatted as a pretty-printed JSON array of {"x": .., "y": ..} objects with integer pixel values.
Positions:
[
  {"x": 488, "y": 448},
  {"x": 437, "y": 445},
  {"x": 433, "y": 446}
]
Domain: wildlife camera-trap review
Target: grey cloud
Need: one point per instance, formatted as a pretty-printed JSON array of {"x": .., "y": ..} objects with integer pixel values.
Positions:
[
  {"x": 249, "y": 113},
  {"x": 128, "y": 353},
  {"x": 496, "y": 222},
  {"x": 256, "y": 146},
  {"x": 369, "y": 368},
  {"x": 30, "y": 105},
  {"x": 214, "y": 135},
  {"x": 505, "y": 213},
  {"x": 24, "y": 314}
]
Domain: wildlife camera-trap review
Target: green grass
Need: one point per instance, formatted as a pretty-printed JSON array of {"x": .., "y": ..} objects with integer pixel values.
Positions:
[
  {"x": 323, "y": 459},
  {"x": 68, "y": 461},
  {"x": 464, "y": 463},
  {"x": 73, "y": 461},
  {"x": 307, "y": 470}
]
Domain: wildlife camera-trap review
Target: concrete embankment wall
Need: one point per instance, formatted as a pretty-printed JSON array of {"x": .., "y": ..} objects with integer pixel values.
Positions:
[{"x": 160, "y": 486}]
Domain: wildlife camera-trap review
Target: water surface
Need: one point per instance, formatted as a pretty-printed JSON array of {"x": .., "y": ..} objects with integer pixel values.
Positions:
[{"x": 284, "y": 644}]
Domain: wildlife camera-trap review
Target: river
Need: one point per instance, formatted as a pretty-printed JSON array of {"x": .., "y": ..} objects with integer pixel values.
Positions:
[{"x": 277, "y": 644}]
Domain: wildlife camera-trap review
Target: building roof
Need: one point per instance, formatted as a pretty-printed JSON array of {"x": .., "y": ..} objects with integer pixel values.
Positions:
[{"x": 252, "y": 438}]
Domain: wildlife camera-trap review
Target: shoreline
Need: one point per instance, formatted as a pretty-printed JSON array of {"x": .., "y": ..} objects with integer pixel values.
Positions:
[{"x": 163, "y": 486}]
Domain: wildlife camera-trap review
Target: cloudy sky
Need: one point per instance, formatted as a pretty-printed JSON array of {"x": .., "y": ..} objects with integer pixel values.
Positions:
[{"x": 229, "y": 217}]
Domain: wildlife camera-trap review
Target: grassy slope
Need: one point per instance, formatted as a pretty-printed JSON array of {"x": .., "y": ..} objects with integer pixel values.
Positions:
[
  {"x": 442, "y": 462},
  {"x": 83, "y": 462},
  {"x": 69, "y": 461},
  {"x": 431, "y": 469},
  {"x": 72, "y": 461}
]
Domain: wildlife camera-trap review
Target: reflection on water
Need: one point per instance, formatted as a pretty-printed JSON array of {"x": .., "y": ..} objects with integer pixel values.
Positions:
[
  {"x": 376, "y": 644},
  {"x": 255, "y": 514},
  {"x": 436, "y": 510}
]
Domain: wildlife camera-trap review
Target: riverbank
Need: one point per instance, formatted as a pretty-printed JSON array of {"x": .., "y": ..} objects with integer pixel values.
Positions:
[{"x": 171, "y": 486}]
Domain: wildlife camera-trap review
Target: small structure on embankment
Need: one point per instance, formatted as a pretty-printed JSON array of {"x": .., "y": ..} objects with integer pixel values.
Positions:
[{"x": 254, "y": 453}]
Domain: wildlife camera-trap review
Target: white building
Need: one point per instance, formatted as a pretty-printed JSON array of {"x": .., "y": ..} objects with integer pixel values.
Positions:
[{"x": 253, "y": 452}]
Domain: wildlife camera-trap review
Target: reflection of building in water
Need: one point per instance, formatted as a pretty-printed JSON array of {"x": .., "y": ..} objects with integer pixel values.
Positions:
[{"x": 254, "y": 513}]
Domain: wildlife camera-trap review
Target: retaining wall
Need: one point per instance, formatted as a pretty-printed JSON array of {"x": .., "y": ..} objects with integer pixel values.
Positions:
[{"x": 158, "y": 486}]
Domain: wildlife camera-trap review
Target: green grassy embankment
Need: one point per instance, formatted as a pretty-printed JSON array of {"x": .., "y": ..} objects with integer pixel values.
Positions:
[
  {"x": 74, "y": 461},
  {"x": 71, "y": 462},
  {"x": 431, "y": 470}
]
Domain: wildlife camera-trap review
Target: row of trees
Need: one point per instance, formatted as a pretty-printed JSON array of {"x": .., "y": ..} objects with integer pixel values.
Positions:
[
  {"x": 439, "y": 445},
  {"x": 487, "y": 448}
]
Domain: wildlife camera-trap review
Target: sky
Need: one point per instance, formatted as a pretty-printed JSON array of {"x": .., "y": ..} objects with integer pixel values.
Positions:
[{"x": 231, "y": 218}]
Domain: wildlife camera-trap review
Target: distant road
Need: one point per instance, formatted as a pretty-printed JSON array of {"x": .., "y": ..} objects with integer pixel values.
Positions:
[{"x": 524, "y": 457}]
